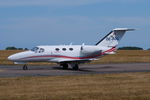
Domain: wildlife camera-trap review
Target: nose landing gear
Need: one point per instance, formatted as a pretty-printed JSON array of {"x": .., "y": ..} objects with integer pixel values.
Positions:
[{"x": 25, "y": 67}]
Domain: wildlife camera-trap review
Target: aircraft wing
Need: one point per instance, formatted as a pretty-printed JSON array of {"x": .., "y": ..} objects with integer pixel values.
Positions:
[{"x": 72, "y": 60}]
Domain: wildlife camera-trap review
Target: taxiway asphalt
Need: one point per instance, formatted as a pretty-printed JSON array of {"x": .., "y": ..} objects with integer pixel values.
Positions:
[{"x": 54, "y": 70}]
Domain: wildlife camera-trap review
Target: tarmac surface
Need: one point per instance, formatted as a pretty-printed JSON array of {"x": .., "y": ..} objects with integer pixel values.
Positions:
[{"x": 54, "y": 70}]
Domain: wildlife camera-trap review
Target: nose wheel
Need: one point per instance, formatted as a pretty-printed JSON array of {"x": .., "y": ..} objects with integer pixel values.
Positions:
[{"x": 25, "y": 67}]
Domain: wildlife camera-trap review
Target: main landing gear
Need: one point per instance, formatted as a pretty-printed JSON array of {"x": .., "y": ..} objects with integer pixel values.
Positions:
[
  {"x": 65, "y": 66},
  {"x": 25, "y": 67},
  {"x": 74, "y": 66}
]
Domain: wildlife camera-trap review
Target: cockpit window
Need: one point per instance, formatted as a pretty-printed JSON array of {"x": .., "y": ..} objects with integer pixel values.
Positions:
[
  {"x": 41, "y": 50},
  {"x": 35, "y": 49}
]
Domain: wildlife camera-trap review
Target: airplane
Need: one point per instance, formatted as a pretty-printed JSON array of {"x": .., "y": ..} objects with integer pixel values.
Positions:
[{"x": 72, "y": 55}]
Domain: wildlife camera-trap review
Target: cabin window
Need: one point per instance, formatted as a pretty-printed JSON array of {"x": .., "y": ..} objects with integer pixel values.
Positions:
[
  {"x": 70, "y": 49},
  {"x": 64, "y": 49},
  {"x": 57, "y": 49}
]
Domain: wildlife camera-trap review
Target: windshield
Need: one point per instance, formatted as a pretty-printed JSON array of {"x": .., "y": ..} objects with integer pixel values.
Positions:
[
  {"x": 41, "y": 50},
  {"x": 35, "y": 49}
]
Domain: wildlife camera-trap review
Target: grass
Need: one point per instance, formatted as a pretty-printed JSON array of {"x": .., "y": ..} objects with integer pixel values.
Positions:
[
  {"x": 122, "y": 56},
  {"x": 126, "y": 56},
  {"x": 124, "y": 86}
]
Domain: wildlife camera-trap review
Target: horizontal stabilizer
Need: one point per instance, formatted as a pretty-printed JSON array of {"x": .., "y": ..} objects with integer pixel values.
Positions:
[{"x": 123, "y": 29}]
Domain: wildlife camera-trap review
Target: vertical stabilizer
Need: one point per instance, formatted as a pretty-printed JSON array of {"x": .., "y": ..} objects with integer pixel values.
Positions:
[{"x": 112, "y": 39}]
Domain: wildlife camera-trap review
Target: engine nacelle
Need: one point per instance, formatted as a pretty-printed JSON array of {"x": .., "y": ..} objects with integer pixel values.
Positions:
[{"x": 90, "y": 49}]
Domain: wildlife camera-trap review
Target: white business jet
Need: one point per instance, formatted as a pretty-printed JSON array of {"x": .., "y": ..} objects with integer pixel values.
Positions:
[{"x": 71, "y": 54}]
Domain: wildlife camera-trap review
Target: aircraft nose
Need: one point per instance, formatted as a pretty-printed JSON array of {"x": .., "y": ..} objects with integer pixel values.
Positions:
[{"x": 11, "y": 58}]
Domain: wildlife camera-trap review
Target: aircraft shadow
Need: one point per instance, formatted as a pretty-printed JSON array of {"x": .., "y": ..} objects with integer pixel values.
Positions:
[
  {"x": 107, "y": 67},
  {"x": 70, "y": 69}
]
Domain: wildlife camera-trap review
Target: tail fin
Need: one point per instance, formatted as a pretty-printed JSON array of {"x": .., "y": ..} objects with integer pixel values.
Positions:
[{"x": 112, "y": 39}]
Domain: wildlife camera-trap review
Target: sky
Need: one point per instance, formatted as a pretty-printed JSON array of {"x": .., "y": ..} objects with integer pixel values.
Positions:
[{"x": 28, "y": 23}]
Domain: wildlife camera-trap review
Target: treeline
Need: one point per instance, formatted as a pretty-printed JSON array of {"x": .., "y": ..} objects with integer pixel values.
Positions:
[
  {"x": 130, "y": 48},
  {"x": 14, "y": 48},
  {"x": 121, "y": 48}
]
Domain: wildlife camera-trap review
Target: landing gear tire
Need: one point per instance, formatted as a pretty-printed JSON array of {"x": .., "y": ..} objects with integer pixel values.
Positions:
[
  {"x": 76, "y": 67},
  {"x": 65, "y": 66},
  {"x": 25, "y": 67}
]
